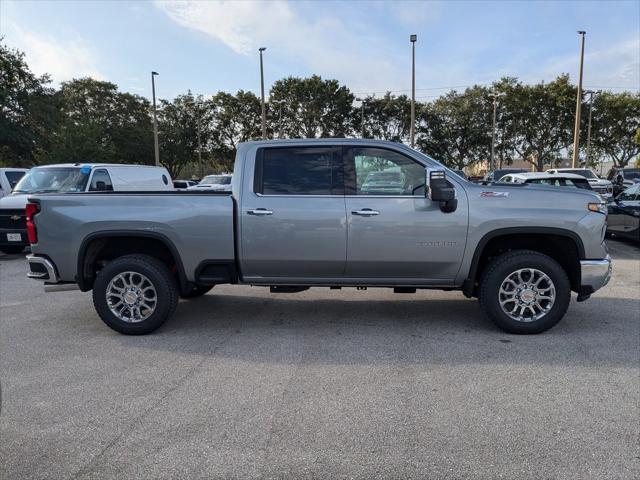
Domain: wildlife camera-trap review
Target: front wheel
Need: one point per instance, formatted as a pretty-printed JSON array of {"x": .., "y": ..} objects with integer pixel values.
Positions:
[
  {"x": 135, "y": 294},
  {"x": 524, "y": 292}
]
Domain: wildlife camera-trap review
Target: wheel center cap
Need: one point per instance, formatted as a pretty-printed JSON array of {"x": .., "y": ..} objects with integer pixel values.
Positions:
[
  {"x": 130, "y": 298},
  {"x": 528, "y": 295}
]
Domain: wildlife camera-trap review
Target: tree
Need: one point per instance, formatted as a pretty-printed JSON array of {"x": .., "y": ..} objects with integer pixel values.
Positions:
[
  {"x": 100, "y": 124},
  {"x": 312, "y": 107},
  {"x": 616, "y": 119},
  {"x": 387, "y": 118},
  {"x": 456, "y": 128},
  {"x": 539, "y": 118},
  {"x": 27, "y": 109}
]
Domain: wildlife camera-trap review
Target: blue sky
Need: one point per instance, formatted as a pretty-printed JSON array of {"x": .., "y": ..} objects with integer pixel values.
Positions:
[{"x": 211, "y": 46}]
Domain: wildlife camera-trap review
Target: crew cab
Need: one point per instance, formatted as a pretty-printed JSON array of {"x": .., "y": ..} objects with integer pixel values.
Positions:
[{"x": 299, "y": 217}]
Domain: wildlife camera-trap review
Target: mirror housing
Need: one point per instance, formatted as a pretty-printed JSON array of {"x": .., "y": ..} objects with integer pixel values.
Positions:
[{"x": 441, "y": 190}]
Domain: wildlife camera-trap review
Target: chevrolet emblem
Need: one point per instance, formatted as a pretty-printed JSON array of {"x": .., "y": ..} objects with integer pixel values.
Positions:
[{"x": 15, "y": 217}]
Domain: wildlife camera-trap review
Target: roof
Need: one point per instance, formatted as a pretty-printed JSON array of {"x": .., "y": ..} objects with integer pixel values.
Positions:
[{"x": 543, "y": 175}]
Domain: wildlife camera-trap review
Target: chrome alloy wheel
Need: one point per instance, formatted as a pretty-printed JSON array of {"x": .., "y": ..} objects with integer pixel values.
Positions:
[
  {"x": 131, "y": 297},
  {"x": 527, "y": 295}
]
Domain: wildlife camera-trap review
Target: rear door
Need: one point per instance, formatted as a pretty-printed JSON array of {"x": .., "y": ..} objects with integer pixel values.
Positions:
[
  {"x": 293, "y": 218},
  {"x": 394, "y": 232}
]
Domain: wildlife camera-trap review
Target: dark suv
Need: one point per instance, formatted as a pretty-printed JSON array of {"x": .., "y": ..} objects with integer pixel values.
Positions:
[{"x": 623, "y": 178}]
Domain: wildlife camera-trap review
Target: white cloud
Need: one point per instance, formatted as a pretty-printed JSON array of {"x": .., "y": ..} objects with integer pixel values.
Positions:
[
  {"x": 63, "y": 60},
  {"x": 324, "y": 44}
]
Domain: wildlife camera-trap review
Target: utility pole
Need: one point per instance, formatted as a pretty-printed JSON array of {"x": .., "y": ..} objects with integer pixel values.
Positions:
[
  {"x": 361, "y": 100},
  {"x": 413, "y": 39},
  {"x": 576, "y": 130},
  {"x": 492, "y": 163},
  {"x": 591, "y": 93},
  {"x": 264, "y": 114},
  {"x": 198, "y": 113},
  {"x": 155, "y": 120}
]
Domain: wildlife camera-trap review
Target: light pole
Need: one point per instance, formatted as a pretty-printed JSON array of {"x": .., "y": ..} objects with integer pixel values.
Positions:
[
  {"x": 413, "y": 39},
  {"x": 264, "y": 114},
  {"x": 155, "y": 120},
  {"x": 576, "y": 130},
  {"x": 198, "y": 113},
  {"x": 361, "y": 100},
  {"x": 591, "y": 93},
  {"x": 492, "y": 163}
]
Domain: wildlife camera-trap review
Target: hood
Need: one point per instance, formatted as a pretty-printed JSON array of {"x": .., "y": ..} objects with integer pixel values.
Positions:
[{"x": 17, "y": 201}]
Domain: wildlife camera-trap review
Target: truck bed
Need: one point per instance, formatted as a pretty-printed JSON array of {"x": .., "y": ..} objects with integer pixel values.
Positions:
[{"x": 199, "y": 225}]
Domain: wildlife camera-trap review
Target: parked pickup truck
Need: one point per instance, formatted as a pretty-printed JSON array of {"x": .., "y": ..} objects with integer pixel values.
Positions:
[{"x": 298, "y": 217}]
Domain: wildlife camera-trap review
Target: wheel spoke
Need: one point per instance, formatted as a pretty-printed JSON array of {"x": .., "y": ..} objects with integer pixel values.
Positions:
[
  {"x": 526, "y": 294},
  {"x": 131, "y": 297}
]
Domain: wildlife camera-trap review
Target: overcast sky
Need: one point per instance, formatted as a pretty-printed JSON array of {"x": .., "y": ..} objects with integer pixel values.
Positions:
[{"x": 211, "y": 46}]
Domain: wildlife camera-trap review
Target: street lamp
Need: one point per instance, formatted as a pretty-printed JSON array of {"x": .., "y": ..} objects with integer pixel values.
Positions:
[
  {"x": 492, "y": 164},
  {"x": 264, "y": 114},
  {"x": 591, "y": 93},
  {"x": 155, "y": 120},
  {"x": 413, "y": 39},
  {"x": 576, "y": 130},
  {"x": 361, "y": 100}
]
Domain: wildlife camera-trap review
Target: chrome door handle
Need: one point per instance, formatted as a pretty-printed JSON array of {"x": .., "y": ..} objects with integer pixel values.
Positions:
[
  {"x": 365, "y": 212},
  {"x": 260, "y": 212}
]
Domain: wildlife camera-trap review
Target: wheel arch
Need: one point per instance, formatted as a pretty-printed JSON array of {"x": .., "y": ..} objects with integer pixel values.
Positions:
[{"x": 564, "y": 246}]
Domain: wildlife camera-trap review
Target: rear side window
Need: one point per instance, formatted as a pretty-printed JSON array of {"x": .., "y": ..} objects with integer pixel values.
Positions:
[
  {"x": 13, "y": 177},
  {"x": 101, "y": 181},
  {"x": 299, "y": 171}
]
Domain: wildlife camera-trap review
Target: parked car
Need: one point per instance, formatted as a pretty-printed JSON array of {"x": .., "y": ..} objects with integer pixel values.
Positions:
[
  {"x": 8, "y": 179},
  {"x": 183, "y": 184},
  {"x": 296, "y": 217},
  {"x": 221, "y": 183},
  {"x": 599, "y": 185},
  {"x": 623, "y": 178},
  {"x": 71, "y": 178},
  {"x": 385, "y": 182},
  {"x": 494, "y": 176},
  {"x": 624, "y": 214},
  {"x": 553, "y": 179}
]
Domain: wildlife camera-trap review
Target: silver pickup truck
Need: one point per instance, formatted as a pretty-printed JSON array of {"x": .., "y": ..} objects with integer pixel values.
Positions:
[{"x": 325, "y": 213}]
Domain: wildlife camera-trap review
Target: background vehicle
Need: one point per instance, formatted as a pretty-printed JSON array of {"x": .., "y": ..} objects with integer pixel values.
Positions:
[
  {"x": 8, "y": 179},
  {"x": 461, "y": 174},
  {"x": 599, "y": 185},
  {"x": 624, "y": 214},
  {"x": 494, "y": 176},
  {"x": 183, "y": 184},
  {"x": 71, "y": 178},
  {"x": 553, "y": 179},
  {"x": 623, "y": 178},
  {"x": 220, "y": 183},
  {"x": 298, "y": 216}
]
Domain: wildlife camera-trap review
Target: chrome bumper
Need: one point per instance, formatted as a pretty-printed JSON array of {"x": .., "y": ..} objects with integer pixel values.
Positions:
[
  {"x": 595, "y": 273},
  {"x": 41, "y": 268}
]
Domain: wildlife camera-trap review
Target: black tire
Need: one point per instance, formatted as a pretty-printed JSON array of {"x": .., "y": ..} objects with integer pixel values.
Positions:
[
  {"x": 196, "y": 291},
  {"x": 504, "y": 265},
  {"x": 12, "y": 249},
  {"x": 158, "y": 275}
]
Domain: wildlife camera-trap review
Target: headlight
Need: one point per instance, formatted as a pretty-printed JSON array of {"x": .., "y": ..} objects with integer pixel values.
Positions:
[{"x": 600, "y": 207}]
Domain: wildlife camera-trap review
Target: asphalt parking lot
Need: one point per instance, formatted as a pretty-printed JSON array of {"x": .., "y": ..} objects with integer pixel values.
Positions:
[{"x": 322, "y": 384}]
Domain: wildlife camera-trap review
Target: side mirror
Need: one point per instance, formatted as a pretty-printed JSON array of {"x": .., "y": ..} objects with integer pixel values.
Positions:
[
  {"x": 101, "y": 186},
  {"x": 441, "y": 190}
]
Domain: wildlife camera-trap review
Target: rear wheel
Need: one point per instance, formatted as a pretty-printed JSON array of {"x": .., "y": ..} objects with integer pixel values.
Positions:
[
  {"x": 196, "y": 291},
  {"x": 524, "y": 292},
  {"x": 12, "y": 249},
  {"x": 135, "y": 294}
]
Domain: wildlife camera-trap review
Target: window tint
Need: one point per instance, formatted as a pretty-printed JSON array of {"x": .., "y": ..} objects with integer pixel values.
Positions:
[
  {"x": 100, "y": 176},
  {"x": 384, "y": 172},
  {"x": 300, "y": 171},
  {"x": 13, "y": 177}
]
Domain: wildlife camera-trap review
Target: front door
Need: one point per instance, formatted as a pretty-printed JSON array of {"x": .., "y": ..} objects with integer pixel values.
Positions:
[
  {"x": 394, "y": 232},
  {"x": 293, "y": 216}
]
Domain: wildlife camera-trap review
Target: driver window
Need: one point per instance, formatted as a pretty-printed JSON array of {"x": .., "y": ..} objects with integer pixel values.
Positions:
[{"x": 385, "y": 172}]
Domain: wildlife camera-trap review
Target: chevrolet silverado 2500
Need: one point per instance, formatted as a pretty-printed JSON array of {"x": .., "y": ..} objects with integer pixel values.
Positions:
[{"x": 325, "y": 213}]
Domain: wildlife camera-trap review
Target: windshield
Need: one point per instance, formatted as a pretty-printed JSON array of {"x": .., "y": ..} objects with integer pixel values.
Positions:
[
  {"x": 47, "y": 179},
  {"x": 632, "y": 173},
  {"x": 583, "y": 173},
  {"x": 216, "y": 180}
]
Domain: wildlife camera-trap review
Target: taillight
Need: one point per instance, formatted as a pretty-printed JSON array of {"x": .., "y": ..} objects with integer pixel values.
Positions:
[{"x": 32, "y": 233}]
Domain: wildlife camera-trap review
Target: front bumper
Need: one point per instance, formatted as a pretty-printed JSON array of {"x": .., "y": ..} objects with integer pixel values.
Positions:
[{"x": 595, "y": 274}]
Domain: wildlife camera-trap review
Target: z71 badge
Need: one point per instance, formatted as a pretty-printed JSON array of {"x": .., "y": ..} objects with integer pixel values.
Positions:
[{"x": 494, "y": 194}]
